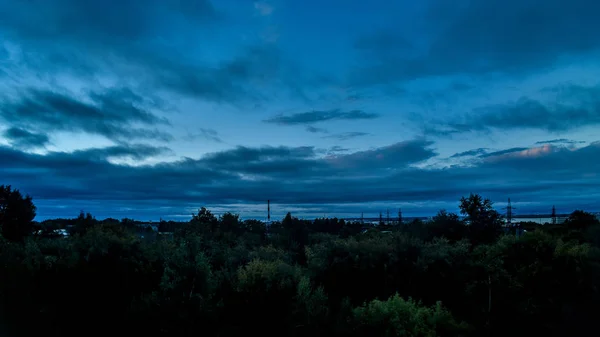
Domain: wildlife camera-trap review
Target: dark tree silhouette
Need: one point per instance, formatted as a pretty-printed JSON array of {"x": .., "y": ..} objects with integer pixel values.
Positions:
[
  {"x": 16, "y": 214},
  {"x": 485, "y": 223},
  {"x": 581, "y": 220}
]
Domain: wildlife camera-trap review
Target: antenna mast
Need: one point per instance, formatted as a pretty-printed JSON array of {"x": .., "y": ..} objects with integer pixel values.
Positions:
[
  {"x": 268, "y": 210},
  {"x": 509, "y": 213},
  {"x": 553, "y": 215}
]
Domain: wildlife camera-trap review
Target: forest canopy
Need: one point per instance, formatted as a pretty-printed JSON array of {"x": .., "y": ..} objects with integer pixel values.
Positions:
[{"x": 220, "y": 276}]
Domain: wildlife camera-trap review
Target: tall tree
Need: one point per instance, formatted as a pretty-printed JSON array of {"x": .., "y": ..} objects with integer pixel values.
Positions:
[
  {"x": 16, "y": 214},
  {"x": 485, "y": 223}
]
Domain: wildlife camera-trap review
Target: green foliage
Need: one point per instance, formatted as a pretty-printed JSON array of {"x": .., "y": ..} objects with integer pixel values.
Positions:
[
  {"x": 224, "y": 277},
  {"x": 16, "y": 214},
  {"x": 399, "y": 317}
]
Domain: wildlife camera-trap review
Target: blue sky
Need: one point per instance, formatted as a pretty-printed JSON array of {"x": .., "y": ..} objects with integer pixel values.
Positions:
[{"x": 148, "y": 108}]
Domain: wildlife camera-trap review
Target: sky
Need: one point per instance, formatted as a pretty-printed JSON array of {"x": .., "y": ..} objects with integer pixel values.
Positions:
[{"x": 151, "y": 109}]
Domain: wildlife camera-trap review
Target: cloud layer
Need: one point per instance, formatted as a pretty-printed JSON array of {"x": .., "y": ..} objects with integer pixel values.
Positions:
[
  {"x": 300, "y": 176},
  {"x": 149, "y": 107}
]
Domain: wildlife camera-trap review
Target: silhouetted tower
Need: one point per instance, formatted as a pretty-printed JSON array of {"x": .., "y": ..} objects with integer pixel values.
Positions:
[
  {"x": 399, "y": 216},
  {"x": 362, "y": 217},
  {"x": 268, "y": 210},
  {"x": 380, "y": 218},
  {"x": 553, "y": 215},
  {"x": 388, "y": 216},
  {"x": 509, "y": 213}
]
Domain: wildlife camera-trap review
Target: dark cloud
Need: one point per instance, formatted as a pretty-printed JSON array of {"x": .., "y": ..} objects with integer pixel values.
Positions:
[
  {"x": 503, "y": 152},
  {"x": 22, "y": 138},
  {"x": 564, "y": 109},
  {"x": 337, "y": 150},
  {"x": 471, "y": 153},
  {"x": 539, "y": 32},
  {"x": 106, "y": 21},
  {"x": 394, "y": 156},
  {"x": 298, "y": 176},
  {"x": 347, "y": 135},
  {"x": 313, "y": 129},
  {"x": 114, "y": 114},
  {"x": 472, "y": 37},
  {"x": 561, "y": 141},
  {"x": 204, "y": 133},
  {"x": 154, "y": 42},
  {"x": 313, "y": 117}
]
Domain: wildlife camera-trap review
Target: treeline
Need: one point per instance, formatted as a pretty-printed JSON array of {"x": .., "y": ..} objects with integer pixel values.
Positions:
[{"x": 219, "y": 276}]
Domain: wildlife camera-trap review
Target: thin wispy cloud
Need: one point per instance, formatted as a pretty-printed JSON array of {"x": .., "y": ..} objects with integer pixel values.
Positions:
[
  {"x": 316, "y": 116},
  {"x": 347, "y": 135}
]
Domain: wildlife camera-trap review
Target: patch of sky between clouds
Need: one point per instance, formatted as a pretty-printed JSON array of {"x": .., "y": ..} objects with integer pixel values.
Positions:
[{"x": 65, "y": 141}]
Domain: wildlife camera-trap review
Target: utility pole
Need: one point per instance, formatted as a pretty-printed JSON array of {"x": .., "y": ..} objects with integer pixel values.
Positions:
[
  {"x": 388, "y": 216},
  {"x": 553, "y": 215},
  {"x": 399, "y": 216},
  {"x": 269, "y": 211},
  {"x": 380, "y": 218}
]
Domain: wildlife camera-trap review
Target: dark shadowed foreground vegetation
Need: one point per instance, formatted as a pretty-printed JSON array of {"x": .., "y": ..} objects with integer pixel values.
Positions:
[{"x": 225, "y": 277}]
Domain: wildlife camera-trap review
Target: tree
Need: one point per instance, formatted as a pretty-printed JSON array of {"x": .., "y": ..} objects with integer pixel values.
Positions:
[
  {"x": 230, "y": 222},
  {"x": 399, "y": 317},
  {"x": 83, "y": 223},
  {"x": 203, "y": 223},
  {"x": 16, "y": 214},
  {"x": 581, "y": 220},
  {"x": 446, "y": 225},
  {"x": 485, "y": 223}
]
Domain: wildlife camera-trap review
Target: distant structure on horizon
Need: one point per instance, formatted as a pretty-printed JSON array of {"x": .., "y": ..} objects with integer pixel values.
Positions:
[
  {"x": 553, "y": 215},
  {"x": 268, "y": 211},
  {"x": 509, "y": 213}
]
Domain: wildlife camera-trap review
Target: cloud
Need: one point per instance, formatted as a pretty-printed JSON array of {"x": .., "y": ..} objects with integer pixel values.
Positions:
[
  {"x": 337, "y": 150},
  {"x": 503, "y": 152},
  {"x": 394, "y": 156},
  {"x": 561, "y": 141},
  {"x": 98, "y": 20},
  {"x": 470, "y": 153},
  {"x": 313, "y": 129},
  {"x": 114, "y": 114},
  {"x": 478, "y": 38},
  {"x": 204, "y": 133},
  {"x": 313, "y": 117},
  {"x": 22, "y": 138},
  {"x": 154, "y": 44},
  {"x": 347, "y": 135},
  {"x": 472, "y": 38},
  {"x": 263, "y": 8},
  {"x": 562, "y": 109},
  {"x": 300, "y": 176}
]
